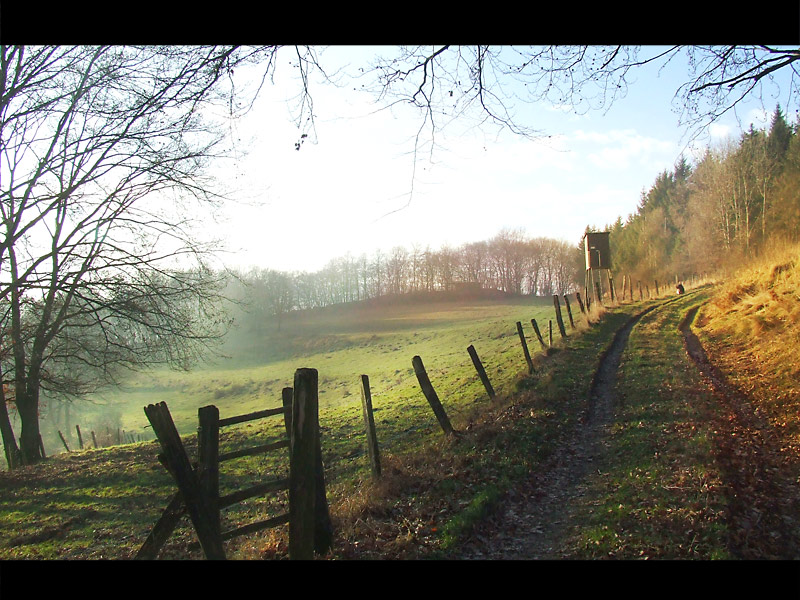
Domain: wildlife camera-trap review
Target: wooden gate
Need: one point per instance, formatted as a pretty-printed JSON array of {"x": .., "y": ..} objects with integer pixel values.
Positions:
[{"x": 198, "y": 485}]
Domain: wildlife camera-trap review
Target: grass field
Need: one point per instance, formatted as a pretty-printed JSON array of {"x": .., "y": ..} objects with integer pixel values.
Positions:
[
  {"x": 657, "y": 493},
  {"x": 342, "y": 343}
]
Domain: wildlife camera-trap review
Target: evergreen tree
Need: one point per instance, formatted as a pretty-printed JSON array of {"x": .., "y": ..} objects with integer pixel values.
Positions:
[{"x": 780, "y": 134}]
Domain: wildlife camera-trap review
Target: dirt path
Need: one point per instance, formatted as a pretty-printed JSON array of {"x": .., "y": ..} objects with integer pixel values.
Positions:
[{"x": 535, "y": 516}]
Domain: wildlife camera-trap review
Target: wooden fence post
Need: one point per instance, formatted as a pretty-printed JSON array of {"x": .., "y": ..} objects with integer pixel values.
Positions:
[
  {"x": 80, "y": 437},
  {"x": 208, "y": 462},
  {"x": 524, "y": 347},
  {"x": 63, "y": 441},
  {"x": 559, "y": 318},
  {"x": 369, "y": 424},
  {"x": 200, "y": 512},
  {"x": 94, "y": 439},
  {"x": 481, "y": 371},
  {"x": 611, "y": 289},
  {"x": 551, "y": 332},
  {"x": 538, "y": 333},
  {"x": 323, "y": 529},
  {"x": 432, "y": 397},
  {"x": 569, "y": 311},
  {"x": 580, "y": 302},
  {"x": 302, "y": 492}
]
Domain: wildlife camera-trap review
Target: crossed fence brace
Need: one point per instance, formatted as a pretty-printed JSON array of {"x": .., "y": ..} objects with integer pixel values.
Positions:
[{"x": 310, "y": 527}]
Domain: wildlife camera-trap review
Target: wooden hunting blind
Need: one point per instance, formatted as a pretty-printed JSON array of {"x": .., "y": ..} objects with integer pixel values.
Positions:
[{"x": 597, "y": 249}]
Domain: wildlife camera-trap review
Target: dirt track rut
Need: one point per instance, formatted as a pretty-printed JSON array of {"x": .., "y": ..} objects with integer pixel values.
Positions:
[{"x": 535, "y": 516}]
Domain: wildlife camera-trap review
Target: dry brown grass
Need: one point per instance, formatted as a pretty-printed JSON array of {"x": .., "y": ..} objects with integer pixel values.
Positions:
[{"x": 753, "y": 330}]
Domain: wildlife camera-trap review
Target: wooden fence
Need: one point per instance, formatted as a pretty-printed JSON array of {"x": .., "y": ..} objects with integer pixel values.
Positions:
[
  {"x": 310, "y": 528},
  {"x": 118, "y": 437},
  {"x": 430, "y": 392},
  {"x": 433, "y": 398}
]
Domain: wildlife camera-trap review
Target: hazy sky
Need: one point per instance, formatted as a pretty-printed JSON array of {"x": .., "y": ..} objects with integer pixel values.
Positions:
[{"x": 346, "y": 189}]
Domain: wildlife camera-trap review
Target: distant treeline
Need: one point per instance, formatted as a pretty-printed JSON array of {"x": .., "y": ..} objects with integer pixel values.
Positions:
[
  {"x": 738, "y": 199},
  {"x": 509, "y": 262}
]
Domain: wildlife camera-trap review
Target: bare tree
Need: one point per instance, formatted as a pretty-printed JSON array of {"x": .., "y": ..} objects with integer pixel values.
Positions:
[
  {"x": 102, "y": 165},
  {"x": 507, "y": 251},
  {"x": 271, "y": 292}
]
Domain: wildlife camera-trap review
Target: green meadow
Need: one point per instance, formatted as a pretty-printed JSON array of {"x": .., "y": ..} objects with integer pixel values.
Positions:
[
  {"x": 378, "y": 339},
  {"x": 103, "y": 503}
]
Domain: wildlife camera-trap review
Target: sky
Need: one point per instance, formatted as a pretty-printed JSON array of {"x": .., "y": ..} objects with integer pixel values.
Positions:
[{"x": 346, "y": 191}]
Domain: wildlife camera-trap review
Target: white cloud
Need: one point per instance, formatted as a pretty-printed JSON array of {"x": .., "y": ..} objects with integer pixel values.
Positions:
[
  {"x": 719, "y": 131},
  {"x": 623, "y": 149}
]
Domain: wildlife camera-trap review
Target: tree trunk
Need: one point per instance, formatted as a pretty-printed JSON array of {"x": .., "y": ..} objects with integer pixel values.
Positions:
[
  {"x": 28, "y": 407},
  {"x": 9, "y": 441}
]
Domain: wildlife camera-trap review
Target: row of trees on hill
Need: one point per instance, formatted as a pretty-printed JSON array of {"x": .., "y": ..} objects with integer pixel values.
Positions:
[
  {"x": 741, "y": 196},
  {"x": 509, "y": 262}
]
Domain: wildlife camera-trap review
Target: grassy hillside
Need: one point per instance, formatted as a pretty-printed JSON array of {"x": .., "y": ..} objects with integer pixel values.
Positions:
[
  {"x": 378, "y": 339},
  {"x": 752, "y": 331},
  {"x": 659, "y": 490}
]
